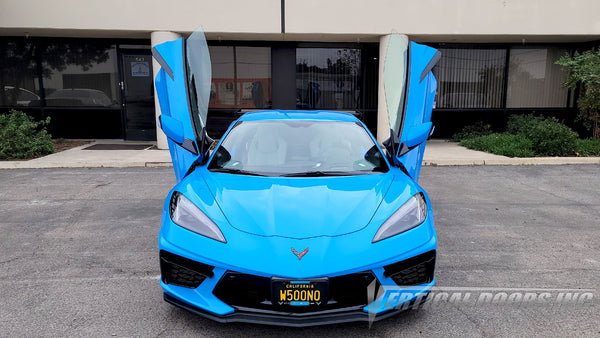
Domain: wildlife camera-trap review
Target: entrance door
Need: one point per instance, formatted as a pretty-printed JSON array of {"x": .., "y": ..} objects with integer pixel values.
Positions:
[{"x": 138, "y": 96}]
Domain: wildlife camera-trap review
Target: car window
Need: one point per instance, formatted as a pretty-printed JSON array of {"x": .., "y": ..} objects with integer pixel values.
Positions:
[{"x": 297, "y": 148}]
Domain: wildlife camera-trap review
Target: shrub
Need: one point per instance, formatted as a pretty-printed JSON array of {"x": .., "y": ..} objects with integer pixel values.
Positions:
[
  {"x": 590, "y": 147},
  {"x": 505, "y": 144},
  {"x": 522, "y": 124},
  {"x": 21, "y": 137},
  {"x": 548, "y": 136},
  {"x": 551, "y": 138},
  {"x": 471, "y": 131}
]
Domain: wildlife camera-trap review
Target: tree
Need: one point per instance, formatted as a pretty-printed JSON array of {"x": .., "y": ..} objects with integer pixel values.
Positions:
[{"x": 584, "y": 70}]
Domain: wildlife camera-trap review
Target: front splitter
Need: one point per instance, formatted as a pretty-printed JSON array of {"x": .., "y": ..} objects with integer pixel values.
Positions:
[{"x": 243, "y": 315}]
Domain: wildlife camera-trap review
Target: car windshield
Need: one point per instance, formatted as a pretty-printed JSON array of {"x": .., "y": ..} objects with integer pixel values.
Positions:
[{"x": 298, "y": 148}]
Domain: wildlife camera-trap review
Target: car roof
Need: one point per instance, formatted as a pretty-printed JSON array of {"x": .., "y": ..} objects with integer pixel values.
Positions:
[{"x": 306, "y": 115}]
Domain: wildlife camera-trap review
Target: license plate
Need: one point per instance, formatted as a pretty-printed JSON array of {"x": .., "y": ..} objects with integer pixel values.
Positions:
[{"x": 299, "y": 292}]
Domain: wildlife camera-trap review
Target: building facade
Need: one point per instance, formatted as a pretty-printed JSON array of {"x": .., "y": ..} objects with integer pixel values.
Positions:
[{"x": 88, "y": 65}]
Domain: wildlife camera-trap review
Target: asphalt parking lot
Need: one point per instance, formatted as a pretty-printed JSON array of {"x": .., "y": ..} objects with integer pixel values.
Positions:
[{"x": 79, "y": 255}]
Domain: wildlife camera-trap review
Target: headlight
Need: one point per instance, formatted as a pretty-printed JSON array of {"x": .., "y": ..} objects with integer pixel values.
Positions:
[
  {"x": 187, "y": 215},
  {"x": 410, "y": 214}
]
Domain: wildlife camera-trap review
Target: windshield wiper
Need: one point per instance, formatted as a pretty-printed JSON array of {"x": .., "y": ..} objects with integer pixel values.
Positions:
[
  {"x": 235, "y": 171},
  {"x": 324, "y": 173}
]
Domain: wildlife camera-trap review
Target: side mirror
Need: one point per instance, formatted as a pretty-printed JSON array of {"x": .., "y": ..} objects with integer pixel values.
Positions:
[
  {"x": 418, "y": 134},
  {"x": 415, "y": 135},
  {"x": 222, "y": 156},
  {"x": 172, "y": 128}
]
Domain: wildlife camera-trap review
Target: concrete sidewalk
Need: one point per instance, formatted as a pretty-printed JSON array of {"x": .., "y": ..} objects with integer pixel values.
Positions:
[
  {"x": 442, "y": 152},
  {"x": 437, "y": 153},
  {"x": 80, "y": 157}
]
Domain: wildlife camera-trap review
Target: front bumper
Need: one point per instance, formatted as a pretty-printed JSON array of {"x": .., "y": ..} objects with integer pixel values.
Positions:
[{"x": 353, "y": 297}]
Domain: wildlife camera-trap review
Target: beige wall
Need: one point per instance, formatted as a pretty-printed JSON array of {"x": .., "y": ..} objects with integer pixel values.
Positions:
[
  {"x": 139, "y": 18},
  {"x": 447, "y": 17},
  {"x": 320, "y": 20}
]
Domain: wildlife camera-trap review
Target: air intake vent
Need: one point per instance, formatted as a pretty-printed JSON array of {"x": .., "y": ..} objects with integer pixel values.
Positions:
[
  {"x": 413, "y": 271},
  {"x": 177, "y": 270}
]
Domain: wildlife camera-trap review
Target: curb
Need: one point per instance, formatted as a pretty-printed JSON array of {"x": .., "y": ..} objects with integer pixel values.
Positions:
[
  {"x": 47, "y": 165},
  {"x": 428, "y": 163},
  {"x": 516, "y": 161},
  {"x": 158, "y": 164}
]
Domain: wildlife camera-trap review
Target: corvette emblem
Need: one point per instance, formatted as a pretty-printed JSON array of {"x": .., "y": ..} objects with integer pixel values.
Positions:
[{"x": 299, "y": 254}]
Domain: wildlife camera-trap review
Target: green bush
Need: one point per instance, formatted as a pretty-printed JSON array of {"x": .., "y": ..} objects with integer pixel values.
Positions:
[
  {"x": 505, "y": 144},
  {"x": 522, "y": 124},
  {"x": 551, "y": 138},
  {"x": 471, "y": 131},
  {"x": 21, "y": 137},
  {"x": 590, "y": 147},
  {"x": 528, "y": 135},
  {"x": 548, "y": 136}
]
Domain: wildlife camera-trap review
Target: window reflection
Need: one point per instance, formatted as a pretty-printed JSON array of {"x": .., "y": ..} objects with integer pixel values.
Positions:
[
  {"x": 241, "y": 77},
  {"x": 77, "y": 74},
  {"x": 327, "y": 78},
  {"x": 534, "y": 80},
  {"x": 470, "y": 78},
  {"x": 18, "y": 80}
]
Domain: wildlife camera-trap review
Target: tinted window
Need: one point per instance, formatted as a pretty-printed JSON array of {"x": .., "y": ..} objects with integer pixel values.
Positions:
[
  {"x": 534, "y": 80},
  {"x": 470, "y": 78},
  {"x": 80, "y": 74},
  {"x": 241, "y": 77},
  {"x": 18, "y": 79},
  {"x": 327, "y": 78}
]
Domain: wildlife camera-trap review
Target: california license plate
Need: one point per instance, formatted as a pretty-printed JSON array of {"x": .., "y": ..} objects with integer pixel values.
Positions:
[{"x": 299, "y": 292}]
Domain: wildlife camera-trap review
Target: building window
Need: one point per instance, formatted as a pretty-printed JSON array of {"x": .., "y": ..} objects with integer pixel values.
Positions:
[
  {"x": 534, "y": 80},
  {"x": 18, "y": 74},
  {"x": 470, "y": 78},
  {"x": 241, "y": 77},
  {"x": 328, "y": 78},
  {"x": 80, "y": 74}
]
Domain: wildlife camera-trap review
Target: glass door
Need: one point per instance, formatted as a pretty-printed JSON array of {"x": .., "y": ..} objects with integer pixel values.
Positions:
[{"x": 138, "y": 95}]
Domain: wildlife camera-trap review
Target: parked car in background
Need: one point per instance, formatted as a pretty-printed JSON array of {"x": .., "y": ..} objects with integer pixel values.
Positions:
[
  {"x": 18, "y": 96},
  {"x": 79, "y": 97}
]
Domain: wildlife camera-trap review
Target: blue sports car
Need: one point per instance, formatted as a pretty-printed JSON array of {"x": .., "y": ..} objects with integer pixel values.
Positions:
[{"x": 296, "y": 217}]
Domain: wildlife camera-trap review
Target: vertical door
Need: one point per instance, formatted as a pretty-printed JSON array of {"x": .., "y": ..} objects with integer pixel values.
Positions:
[
  {"x": 138, "y": 96},
  {"x": 183, "y": 86},
  {"x": 410, "y": 88}
]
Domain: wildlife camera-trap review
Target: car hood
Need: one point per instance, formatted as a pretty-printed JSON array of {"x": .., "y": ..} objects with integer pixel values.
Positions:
[{"x": 298, "y": 207}]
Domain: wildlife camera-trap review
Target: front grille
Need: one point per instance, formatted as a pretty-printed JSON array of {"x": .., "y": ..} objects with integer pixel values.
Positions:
[
  {"x": 413, "y": 271},
  {"x": 181, "y": 271},
  {"x": 249, "y": 291}
]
